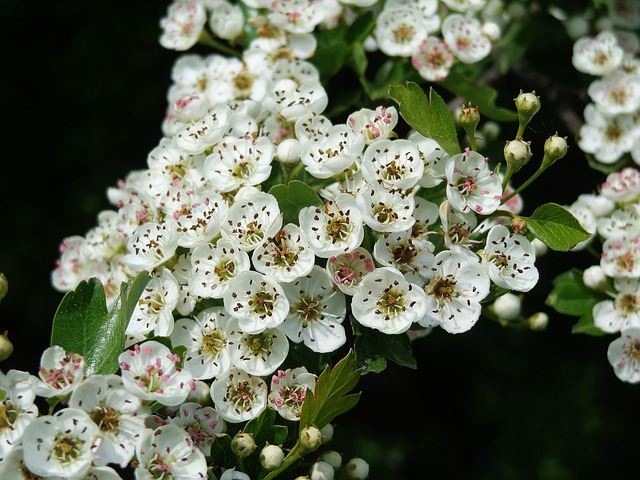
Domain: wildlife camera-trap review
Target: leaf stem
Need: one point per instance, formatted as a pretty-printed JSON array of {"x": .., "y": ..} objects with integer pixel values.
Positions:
[
  {"x": 538, "y": 172},
  {"x": 208, "y": 40}
]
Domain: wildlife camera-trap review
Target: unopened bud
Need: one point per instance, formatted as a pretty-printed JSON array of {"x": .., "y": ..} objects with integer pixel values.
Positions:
[
  {"x": 310, "y": 438},
  {"x": 356, "y": 469},
  {"x": 271, "y": 457},
  {"x": 200, "y": 394},
  {"x": 333, "y": 458},
  {"x": 327, "y": 433},
  {"x": 289, "y": 151},
  {"x": 233, "y": 474},
  {"x": 527, "y": 104},
  {"x": 517, "y": 154},
  {"x": 594, "y": 278},
  {"x": 243, "y": 445},
  {"x": 519, "y": 225},
  {"x": 538, "y": 321},
  {"x": 469, "y": 116},
  {"x": 555, "y": 148},
  {"x": 508, "y": 306},
  {"x": 6, "y": 347},
  {"x": 4, "y": 286},
  {"x": 321, "y": 471}
]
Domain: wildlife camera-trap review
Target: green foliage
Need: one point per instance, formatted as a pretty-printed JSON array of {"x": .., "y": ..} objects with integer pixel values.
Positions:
[
  {"x": 429, "y": 116},
  {"x": 556, "y": 227},
  {"x": 264, "y": 431},
  {"x": 293, "y": 197},
  {"x": 82, "y": 324},
  {"x": 570, "y": 296},
  {"x": 374, "y": 348},
  {"x": 331, "y": 397}
]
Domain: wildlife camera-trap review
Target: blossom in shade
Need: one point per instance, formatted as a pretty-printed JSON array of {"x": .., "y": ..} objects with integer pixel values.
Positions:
[
  {"x": 63, "y": 444},
  {"x": 182, "y": 25},
  {"x": 400, "y": 29},
  {"x": 288, "y": 391},
  {"x": 622, "y": 186},
  {"x": 169, "y": 452},
  {"x": 624, "y": 355},
  {"x": 456, "y": 287},
  {"x": 17, "y": 409},
  {"x": 118, "y": 414},
  {"x": 464, "y": 37},
  {"x": 621, "y": 256},
  {"x": 59, "y": 373},
  {"x": 239, "y": 396},
  {"x": 608, "y": 137},
  {"x": 296, "y": 16},
  {"x": 623, "y": 310},
  {"x": 410, "y": 255},
  {"x": 433, "y": 59},
  {"x": 317, "y": 310},
  {"x": 151, "y": 372},
  {"x": 387, "y": 302},
  {"x": 597, "y": 55},
  {"x": 616, "y": 93}
]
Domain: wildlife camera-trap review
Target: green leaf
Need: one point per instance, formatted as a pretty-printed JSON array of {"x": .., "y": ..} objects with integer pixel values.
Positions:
[
  {"x": 570, "y": 296},
  {"x": 221, "y": 454},
  {"x": 370, "y": 345},
  {"x": 294, "y": 197},
  {"x": 429, "y": 116},
  {"x": 481, "y": 96},
  {"x": 556, "y": 227},
  {"x": 82, "y": 324},
  {"x": 361, "y": 28},
  {"x": 329, "y": 398}
]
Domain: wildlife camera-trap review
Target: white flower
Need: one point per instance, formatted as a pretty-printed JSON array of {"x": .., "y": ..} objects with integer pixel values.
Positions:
[
  {"x": 434, "y": 158},
  {"x": 256, "y": 353},
  {"x": 387, "y": 302},
  {"x": 347, "y": 269},
  {"x": 334, "y": 228},
  {"x": 256, "y": 301},
  {"x": 622, "y": 186},
  {"x": 119, "y": 416},
  {"x": 214, "y": 266},
  {"x": 396, "y": 163},
  {"x": 150, "y": 372},
  {"x": 239, "y": 396},
  {"x": 235, "y": 162},
  {"x": 316, "y": 312},
  {"x": 621, "y": 256},
  {"x": 373, "y": 124},
  {"x": 465, "y": 38},
  {"x": 151, "y": 245},
  {"x": 154, "y": 309},
  {"x": 510, "y": 260},
  {"x": 285, "y": 256},
  {"x": 426, "y": 214},
  {"x": 594, "y": 278},
  {"x": 607, "y": 137},
  {"x": 410, "y": 255},
  {"x": 169, "y": 451},
  {"x": 617, "y": 92},
  {"x": 385, "y": 210},
  {"x": 311, "y": 127},
  {"x": 195, "y": 137},
  {"x": 296, "y": 16},
  {"x": 288, "y": 391},
  {"x": 624, "y": 355},
  {"x": 252, "y": 220},
  {"x": 169, "y": 164},
  {"x": 205, "y": 340},
  {"x": 454, "y": 292},
  {"x": 17, "y": 409},
  {"x": 597, "y": 55},
  {"x": 63, "y": 444},
  {"x": 182, "y": 25},
  {"x": 292, "y": 100},
  {"x": 471, "y": 185},
  {"x": 400, "y": 30},
  {"x": 328, "y": 155},
  {"x": 465, "y": 6},
  {"x": 59, "y": 373},
  {"x": 226, "y": 20},
  {"x": 202, "y": 423},
  {"x": 433, "y": 59},
  {"x": 457, "y": 226},
  {"x": 623, "y": 311},
  {"x": 623, "y": 221}
]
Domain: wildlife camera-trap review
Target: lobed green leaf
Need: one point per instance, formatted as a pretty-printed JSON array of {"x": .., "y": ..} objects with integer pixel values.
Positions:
[
  {"x": 556, "y": 227},
  {"x": 293, "y": 197},
  {"x": 373, "y": 348}
]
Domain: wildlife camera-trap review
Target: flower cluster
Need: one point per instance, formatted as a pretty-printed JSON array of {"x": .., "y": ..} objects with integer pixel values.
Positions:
[{"x": 611, "y": 131}]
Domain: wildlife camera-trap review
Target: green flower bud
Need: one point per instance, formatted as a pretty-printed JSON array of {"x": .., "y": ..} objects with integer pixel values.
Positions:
[
  {"x": 538, "y": 321},
  {"x": 356, "y": 469},
  {"x": 271, "y": 457},
  {"x": 333, "y": 458},
  {"x": 243, "y": 445},
  {"x": 517, "y": 154},
  {"x": 519, "y": 225},
  {"x": 555, "y": 148},
  {"x": 327, "y": 433},
  {"x": 4, "y": 286},
  {"x": 6, "y": 347},
  {"x": 527, "y": 104},
  {"x": 321, "y": 471},
  {"x": 310, "y": 438}
]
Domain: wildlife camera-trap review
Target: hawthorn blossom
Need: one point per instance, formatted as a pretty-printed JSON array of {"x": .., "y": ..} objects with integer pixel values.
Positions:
[
  {"x": 288, "y": 391},
  {"x": 195, "y": 137},
  {"x": 624, "y": 355},
  {"x": 621, "y": 256},
  {"x": 296, "y": 16},
  {"x": 623, "y": 311},
  {"x": 433, "y": 59},
  {"x": 292, "y": 100},
  {"x": 597, "y": 55},
  {"x": 410, "y": 255},
  {"x": 168, "y": 164},
  {"x": 63, "y": 444},
  {"x": 202, "y": 423},
  {"x": 387, "y": 302},
  {"x": 616, "y": 93},
  {"x": 151, "y": 245},
  {"x": 169, "y": 452},
  {"x": 239, "y": 396},
  {"x": 59, "y": 373},
  {"x": 454, "y": 290},
  {"x": 471, "y": 185},
  {"x": 256, "y": 353},
  {"x": 317, "y": 310},
  {"x": 465, "y": 38},
  {"x": 385, "y": 210},
  {"x": 400, "y": 29},
  {"x": 395, "y": 163},
  {"x": 510, "y": 260},
  {"x": 17, "y": 409},
  {"x": 182, "y": 25},
  {"x": 151, "y": 372},
  {"x": 607, "y": 137},
  {"x": 205, "y": 340},
  {"x": 118, "y": 414},
  {"x": 226, "y": 20},
  {"x": 328, "y": 155},
  {"x": 624, "y": 221},
  {"x": 347, "y": 269},
  {"x": 373, "y": 124},
  {"x": 457, "y": 227},
  {"x": 622, "y": 186}
]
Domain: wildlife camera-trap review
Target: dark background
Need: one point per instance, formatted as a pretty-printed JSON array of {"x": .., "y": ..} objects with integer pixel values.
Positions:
[{"x": 83, "y": 88}]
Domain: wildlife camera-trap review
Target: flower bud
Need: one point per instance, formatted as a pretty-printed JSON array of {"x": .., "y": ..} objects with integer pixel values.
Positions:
[
  {"x": 310, "y": 438},
  {"x": 327, "y": 433},
  {"x": 6, "y": 347},
  {"x": 527, "y": 104},
  {"x": 232, "y": 474},
  {"x": 469, "y": 116},
  {"x": 271, "y": 457},
  {"x": 538, "y": 321},
  {"x": 243, "y": 444},
  {"x": 321, "y": 471},
  {"x": 356, "y": 469},
  {"x": 517, "y": 154},
  {"x": 555, "y": 148},
  {"x": 490, "y": 130},
  {"x": 4, "y": 286},
  {"x": 201, "y": 394},
  {"x": 519, "y": 225},
  {"x": 289, "y": 151},
  {"x": 333, "y": 458},
  {"x": 508, "y": 306},
  {"x": 594, "y": 278}
]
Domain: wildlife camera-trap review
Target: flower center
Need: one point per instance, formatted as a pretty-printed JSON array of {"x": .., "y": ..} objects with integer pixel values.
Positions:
[
  {"x": 212, "y": 343},
  {"x": 225, "y": 270},
  {"x": 67, "y": 449},
  {"x": 391, "y": 303},
  {"x": 613, "y": 132},
  {"x": 106, "y": 418},
  {"x": 262, "y": 303},
  {"x": 628, "y": 304},
  {"x": 308, "y": 310},
  {"x": 443, "y": 289}
]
